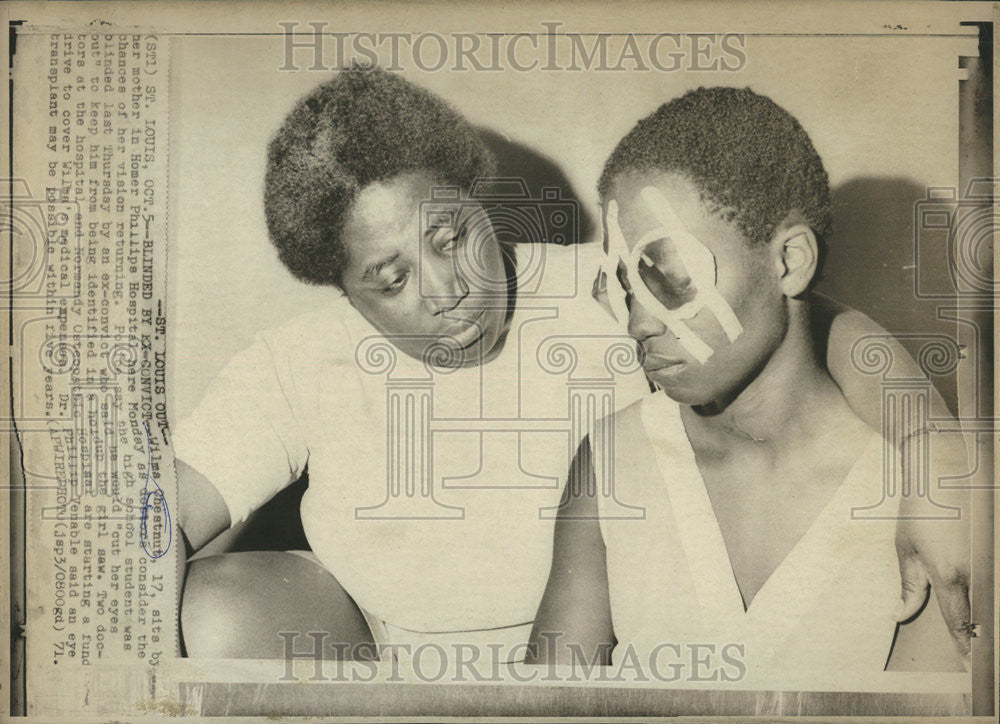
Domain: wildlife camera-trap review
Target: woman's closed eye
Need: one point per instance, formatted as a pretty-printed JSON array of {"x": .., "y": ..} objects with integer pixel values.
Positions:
[
  {"x": 395, "y": 283},
  {"x": 446, "y": 239}
]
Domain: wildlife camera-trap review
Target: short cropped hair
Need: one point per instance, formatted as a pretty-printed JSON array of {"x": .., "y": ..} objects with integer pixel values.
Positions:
[
  {"x": 750, "y": 159},
  {"x": 363, "y": 126}
]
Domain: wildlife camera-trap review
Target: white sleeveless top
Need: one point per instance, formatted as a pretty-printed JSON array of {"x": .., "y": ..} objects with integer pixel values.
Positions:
[{"x": 826, "y": 608}]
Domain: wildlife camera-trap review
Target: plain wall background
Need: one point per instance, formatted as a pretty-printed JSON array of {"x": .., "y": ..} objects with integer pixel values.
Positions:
[{"x": 881, "y": 111}]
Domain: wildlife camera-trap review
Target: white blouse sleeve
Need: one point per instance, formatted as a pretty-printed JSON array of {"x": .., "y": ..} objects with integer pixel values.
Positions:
[{"x": 243, "y": 435}]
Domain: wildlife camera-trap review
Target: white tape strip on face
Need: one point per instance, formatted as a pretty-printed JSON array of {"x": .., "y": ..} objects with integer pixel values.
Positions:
[{"x": 681, "y": 269}]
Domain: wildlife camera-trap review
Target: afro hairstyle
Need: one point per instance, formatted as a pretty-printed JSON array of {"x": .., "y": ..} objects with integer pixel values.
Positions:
[{"x": 364, "y": 126}]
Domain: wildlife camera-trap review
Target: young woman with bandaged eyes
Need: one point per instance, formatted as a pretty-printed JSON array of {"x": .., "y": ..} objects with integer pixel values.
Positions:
[
  {"x": 755, "y": 477},
  {"x": 434, "y": 298}
]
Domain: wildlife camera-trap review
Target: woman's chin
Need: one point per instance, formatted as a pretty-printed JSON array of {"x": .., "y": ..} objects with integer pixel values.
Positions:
[
  {"x": 482, "y": 351},
  {"x": 446, "y": 353},
  {"x": 680, "y": 393}
]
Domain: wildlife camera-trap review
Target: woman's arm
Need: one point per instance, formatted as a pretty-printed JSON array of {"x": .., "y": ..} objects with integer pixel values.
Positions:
[
  {"x": 574, "y": 618},
  {"x": 933, "y": 549},
  {"x": 241, "y": 444},
  {"x": 201, "y": 516},
  {"x": 202, "y": 513}
]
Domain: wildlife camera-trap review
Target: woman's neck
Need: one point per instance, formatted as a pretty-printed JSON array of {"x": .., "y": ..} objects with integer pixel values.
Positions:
[{"x": 791, "y": 399}]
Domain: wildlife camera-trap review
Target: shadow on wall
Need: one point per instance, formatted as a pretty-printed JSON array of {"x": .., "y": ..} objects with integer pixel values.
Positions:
[
  {"x": 515, "y": 160},
  {"x": 872, "y": 265}
]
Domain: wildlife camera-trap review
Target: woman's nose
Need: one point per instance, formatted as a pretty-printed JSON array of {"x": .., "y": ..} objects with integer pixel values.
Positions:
[
  {"x": 641, "y": 324},
  {"x": 442, "y": 285}
]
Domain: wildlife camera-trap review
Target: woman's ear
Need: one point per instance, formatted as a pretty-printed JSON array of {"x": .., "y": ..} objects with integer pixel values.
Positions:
[{"x": 797, "y": 256}]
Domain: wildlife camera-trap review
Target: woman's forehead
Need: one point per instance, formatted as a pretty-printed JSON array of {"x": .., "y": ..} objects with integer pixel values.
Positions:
[
  {"x": 384, "y": 223},
  {"x": 656, "y": 204},
  {"x": 399, "y": 211},
  {"x": 635, "y": 211},
  {"x": 388, "y": 207}
]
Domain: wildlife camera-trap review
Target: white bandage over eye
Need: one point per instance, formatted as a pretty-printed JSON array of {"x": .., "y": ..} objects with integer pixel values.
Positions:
[{"x": 669, "y": 272}]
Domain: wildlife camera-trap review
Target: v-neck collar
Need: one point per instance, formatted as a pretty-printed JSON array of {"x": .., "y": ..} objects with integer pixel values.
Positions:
[{"x": 796, "y": 581}]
